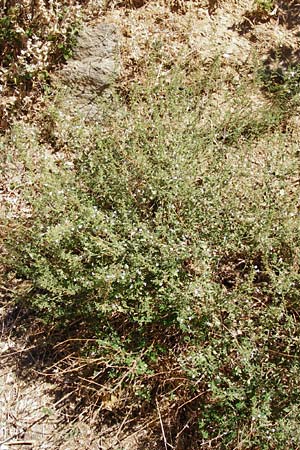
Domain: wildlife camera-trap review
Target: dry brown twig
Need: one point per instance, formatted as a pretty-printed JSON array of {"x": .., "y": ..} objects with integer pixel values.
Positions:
[{"x": 166, "y": 444}]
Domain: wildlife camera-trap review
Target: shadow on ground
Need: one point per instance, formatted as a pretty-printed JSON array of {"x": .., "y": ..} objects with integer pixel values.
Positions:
[{"x": 39, "y": 408}]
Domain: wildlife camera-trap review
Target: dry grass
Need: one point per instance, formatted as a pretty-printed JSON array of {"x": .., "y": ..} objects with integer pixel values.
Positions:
[{"x": 35, "y": 413}]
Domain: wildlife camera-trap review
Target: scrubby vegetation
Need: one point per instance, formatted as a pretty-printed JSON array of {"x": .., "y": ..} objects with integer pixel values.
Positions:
[
  {"x": 35, "y": 37},
  {"x": 163, "y": 245}
]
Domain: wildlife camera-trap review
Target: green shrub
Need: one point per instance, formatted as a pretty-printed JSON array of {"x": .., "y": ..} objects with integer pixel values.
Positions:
[
  {"x": 265, "y": 6},
  {"x": 282, "y": 83},
  {"x": 34, "y": 38},
  {"x": 174, "y": 241}
]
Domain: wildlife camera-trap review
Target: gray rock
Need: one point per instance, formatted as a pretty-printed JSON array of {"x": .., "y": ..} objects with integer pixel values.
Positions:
[{"x": 93, "y": 67}]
